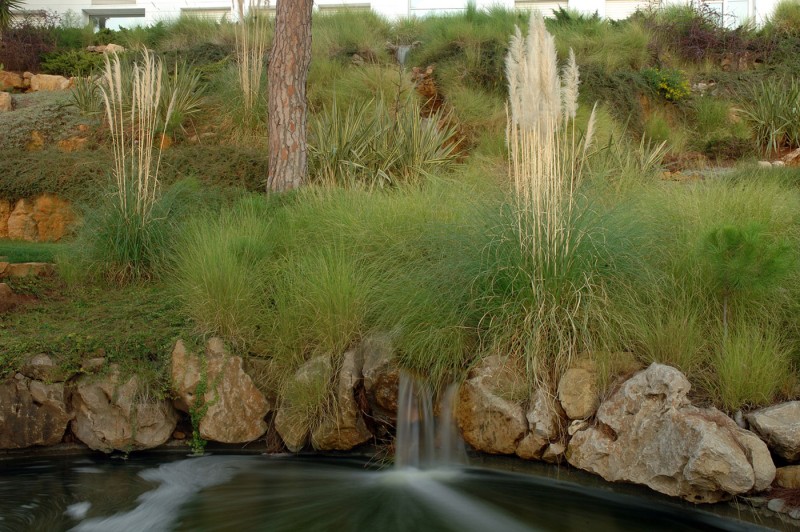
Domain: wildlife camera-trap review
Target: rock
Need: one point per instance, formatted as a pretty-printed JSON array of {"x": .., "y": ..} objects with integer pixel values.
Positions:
[
  {"x": 794, "y": 513},
  {"x": 110, "y": 414},
  {"x": 648, "y": 433},
  {"x": 10, "y": 81},
  {"x": 738, "y": 417},
  {"x": 357, "y": 60},
  {"x": 554, "y": 454},
  {"x": 21, "y": 225},
  {"x": 49, "y": 83},
  {"x": 5, "y": 212},
  {"x": 779, "y": 426},
  {"x": 32, "y": 413},
  {"x": 578, "y": 392},
  {"x": 41, "y": 367},
  {"x": 236, "y": 408},
  {"x": 788, "y": 477},
  {"x": 577, "y": 426},
  {"x": 112, "y": 48},
  {"x": 6, "y": 102},
  {"x": 545, "y": 419},
  {"x": 36, "y": 143},
  {"x": 53, "y": 217},
  {"x": 29, "y": 269},
  {"x": 27, "y": 75},
  {"x": 776, "y": 505},
  {"x": 292, "y": 421},
  {"x": 381, "y": 377},
  {"x": 778, "y": 164},
  {"x": 488, "y": 421},
  {"x": 72, "y": 144},
  {"x": 345, "y": 428},
  {"x": 764, "y": 164}
]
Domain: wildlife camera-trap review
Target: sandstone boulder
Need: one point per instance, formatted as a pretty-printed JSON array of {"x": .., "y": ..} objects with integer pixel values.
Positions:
[
  {"x": 53, "y": 217},
  {"x": 788, "y": 477},
  {"x": 32, "y": 413},
  {"x": 28, "y": 269},
  {"x": 6, "y": 102},
  {"x": 578, "y": 392},
  {"x": 292, "y": 422},
  {"x": 235, "y": 407},
  {"x": 5, "y": 212},
  {"x": 648, "y": 433},
  {"x": 344, "y": 428},
  {"x": 21, "y": 225},
  {"x": 489, "y": 419},
  {"x": 381, "y": 377},
  {"x": 49, "y": 83},
  {"x": 111, "y": 414},
  {"x": 779, "y": 426},
  {"x": 10, "y": 81}
]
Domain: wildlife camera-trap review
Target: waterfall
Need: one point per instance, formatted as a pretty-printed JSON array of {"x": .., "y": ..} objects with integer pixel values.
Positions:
[{"x": 425, "y": 440}]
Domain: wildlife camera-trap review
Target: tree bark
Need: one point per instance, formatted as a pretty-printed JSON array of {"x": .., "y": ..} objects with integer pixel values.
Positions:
[{"x": 288, "y": 70}]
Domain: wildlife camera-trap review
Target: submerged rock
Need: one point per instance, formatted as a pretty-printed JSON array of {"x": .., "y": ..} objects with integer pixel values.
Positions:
[
  {"x": 779, "y": 426},
  {"x": 344, "y": 428},
  {"x": 111, "y": 414},
  {"x": 235, "y": 408},
  {"x": 648, "y": 433},
  {"x": 32, "y": 413}
]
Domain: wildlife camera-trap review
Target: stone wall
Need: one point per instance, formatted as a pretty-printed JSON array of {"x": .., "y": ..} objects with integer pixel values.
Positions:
[{"x": 45, "y": 218}]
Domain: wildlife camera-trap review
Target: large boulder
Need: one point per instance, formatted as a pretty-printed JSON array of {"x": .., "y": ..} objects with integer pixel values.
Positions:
[
  {"x": 489, "y": 419},
  {"x": 779, "y": 426},
  {"x": 49, "y": 83},
  {"x": 235, "y": 407},
  {"x": 42, "y": 367},
  {"x": 32, "y": 413},
  {"x": 381, "y": 377},
  {"x": 21, "y": 225},
  {"x": 648, "y": 433},
  {"x": 344, "y": 428},
  {"x": 293, "y": 421},
  {"x": 5, "y": 212},
  {"x": 53, "y": 217},
  {"x": 10, "y": 81},
  {"x": 111, "y": 414}
]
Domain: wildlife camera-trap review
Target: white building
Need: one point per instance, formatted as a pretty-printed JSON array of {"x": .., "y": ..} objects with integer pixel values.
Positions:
[{"x": 143, "y": 12}]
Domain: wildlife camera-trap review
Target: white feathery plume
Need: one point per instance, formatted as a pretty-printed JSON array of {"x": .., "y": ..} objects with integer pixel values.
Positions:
[{"x": 570, "y": 79}]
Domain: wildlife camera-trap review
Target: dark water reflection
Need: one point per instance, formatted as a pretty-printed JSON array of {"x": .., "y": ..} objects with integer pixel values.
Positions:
[{"x": 221, "y": 493}]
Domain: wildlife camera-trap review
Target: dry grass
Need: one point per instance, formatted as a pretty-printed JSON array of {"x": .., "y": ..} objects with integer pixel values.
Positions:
[{"x": 252, "y": 38}]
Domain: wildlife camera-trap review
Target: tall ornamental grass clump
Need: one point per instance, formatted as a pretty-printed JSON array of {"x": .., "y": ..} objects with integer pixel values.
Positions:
[
  {"x": 252, "y": 39},
  {"x": 125, "y": 238},
  {"x": 552, "y": 272}
]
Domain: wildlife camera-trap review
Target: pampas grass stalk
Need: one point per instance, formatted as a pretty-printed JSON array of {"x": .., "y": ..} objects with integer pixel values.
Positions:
[
  {"x": 547, "y": 162},
  {"x": 251, "y": 47},
  {"x": 134, "y": 130}
]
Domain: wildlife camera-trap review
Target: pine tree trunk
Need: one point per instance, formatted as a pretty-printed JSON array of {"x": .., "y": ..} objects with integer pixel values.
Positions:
[{"x": 288, "y": 70}]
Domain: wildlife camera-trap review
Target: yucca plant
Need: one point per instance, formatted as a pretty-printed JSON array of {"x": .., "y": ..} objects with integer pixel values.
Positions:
[
  {"x": 85, "y": 96},
  {"x": 772, "y": 108},
  {"x": 547, "y": 165}
]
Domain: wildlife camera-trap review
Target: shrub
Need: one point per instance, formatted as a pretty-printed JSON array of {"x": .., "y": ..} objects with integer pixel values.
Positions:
[
  {"x": 27, "y": 40},
  {"x": 370, "y": 146},
  {"x": 785, "y": 18},
  {"x": 72, "y": 63},
  {"x": 772, "y": 108},
  {"x": 671, "y": 85}
]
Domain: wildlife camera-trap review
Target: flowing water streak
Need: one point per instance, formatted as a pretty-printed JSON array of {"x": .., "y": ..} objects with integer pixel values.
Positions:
[{"x": 424, "y": 440}]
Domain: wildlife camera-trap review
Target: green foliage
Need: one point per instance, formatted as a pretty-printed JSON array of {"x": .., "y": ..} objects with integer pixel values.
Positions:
[
  {"x": 371, "y": 146},
  {"x": 86, "y": 97},
  {"x": 20, "y": 251},
  {"x": 341, "y": 34},
  {"x": 670, "y": 84},
  {"x": 119, "y": 245},
  {"x": 750, "y": 367},
  {"x": 72, "y": 63},
  {"x": 785, "y": 18},
  {"x": 6, "y": 8},
  {"x": 772, "y": 108}
]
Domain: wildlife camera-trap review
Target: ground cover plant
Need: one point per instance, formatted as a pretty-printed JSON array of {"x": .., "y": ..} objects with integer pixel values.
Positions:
[{"x": 434, "y": 216}]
